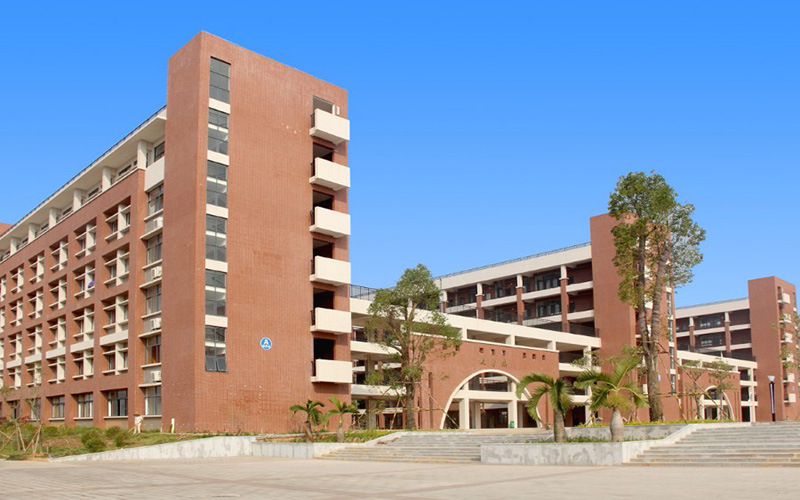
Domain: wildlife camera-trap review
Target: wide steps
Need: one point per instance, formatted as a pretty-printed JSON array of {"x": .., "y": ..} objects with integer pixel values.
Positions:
[
  {"x": 429, "y": 448},
  {"x": 765, "y": 445}
]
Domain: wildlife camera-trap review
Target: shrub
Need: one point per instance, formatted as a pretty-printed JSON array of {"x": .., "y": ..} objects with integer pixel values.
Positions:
[
  {"x": 121, "y": 439},
  {"x": 94, "y": 444},
  {"x": 113, "y": 432},
  {"x": 89, "y": 434}
]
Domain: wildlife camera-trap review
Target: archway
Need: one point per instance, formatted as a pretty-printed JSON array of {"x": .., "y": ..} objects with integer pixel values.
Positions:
[
  {"x": 712, "y": 404},
  {"x": 486, "y": 399}
]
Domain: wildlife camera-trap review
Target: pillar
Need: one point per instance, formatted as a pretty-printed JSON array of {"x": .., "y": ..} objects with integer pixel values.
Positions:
[
  {"x": 564, "y": 300},
  {"x": 141, "y": 154},
  {"x": 108, "y": 175},
  {"x": 727, "y": 333},
  {"x": 463, "y": 413}
]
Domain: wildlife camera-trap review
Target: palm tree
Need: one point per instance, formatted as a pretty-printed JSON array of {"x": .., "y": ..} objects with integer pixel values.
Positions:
[
  {"x": 313, "y": 416},
  {"x": 341, "y": 409},
  {"x": 558, "y": 391},
  {"x": 615, "y": 391}
]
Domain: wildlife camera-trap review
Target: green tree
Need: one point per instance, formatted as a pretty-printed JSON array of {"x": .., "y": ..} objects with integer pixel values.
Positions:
[
  {"x": 789, "y": 330},
  {"x": 693, "y": 371},
  {"x": 657, "y": 246},
  {"x": 615, "y": 390},
  {"x": 409, "y": 324},
  {"x": 719, "y": 372},
  {"x": 558, "y": 391},
  {"x": 313, "y": 415},
  {"x": 340, "y": 409}
]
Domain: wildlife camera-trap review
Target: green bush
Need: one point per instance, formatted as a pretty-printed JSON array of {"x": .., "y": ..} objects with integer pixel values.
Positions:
[
  {"x": 121, "y": 439},
  {"x": 94, "y": 444},
  {"x": 90, "y": 434},
  {"x": 113, "y": 432}
]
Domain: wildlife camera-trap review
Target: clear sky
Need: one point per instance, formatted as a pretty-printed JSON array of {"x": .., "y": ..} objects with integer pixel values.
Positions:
[{"x": 480, "y": 131}]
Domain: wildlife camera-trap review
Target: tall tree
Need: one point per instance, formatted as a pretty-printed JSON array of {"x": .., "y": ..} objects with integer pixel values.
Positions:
[
  {"x": 657, "y": 246},
  {"x": 694, "y": 370},
  {"x": 339, "y": 410},
  {"x": 720, "y": 372},
  {"x": 558, "y": 391},
  {"x": 412, "y": 327}
]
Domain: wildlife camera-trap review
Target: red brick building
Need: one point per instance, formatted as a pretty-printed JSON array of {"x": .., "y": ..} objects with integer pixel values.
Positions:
[{"x": 197, "y": 274}]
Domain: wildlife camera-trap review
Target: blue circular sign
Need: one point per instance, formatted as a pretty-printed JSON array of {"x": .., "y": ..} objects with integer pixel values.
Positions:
[{"x": 266, "y": 343}]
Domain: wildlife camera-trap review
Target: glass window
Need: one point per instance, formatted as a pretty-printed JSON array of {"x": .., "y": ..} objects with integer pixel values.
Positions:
[
  {"x": 219, "y": 88},
  {"x": 152, "y": 400},
  {"x": 158, "y": 152},
  {"x": 154, "y": 249},
  {"x": 155, "y": 200},
  {"x": 215, "y": 349},
  {"x": 57, "y": 407},
  {"x": 117, "y": 403},
  {"x": 85, "y": 405},
  {"x": 218, "y": 118},
  {"x": 218, "y": 141},
  {"x": 215, "y": 293},
  {"x": 217, "y": 171},
  {"x": 216, "y": 239},
  {"x": 152, "y": 350},
  {"x": 153, "y": 300}
]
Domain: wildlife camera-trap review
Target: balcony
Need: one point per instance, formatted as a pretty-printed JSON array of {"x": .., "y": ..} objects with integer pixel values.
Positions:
[
  {"x": 332, "y": 321},
  {"x": 329, "y": 127},
  {"x": 331, "y": 371},
  {"x": 330, "y": 222},
  {"x": 330, "y": 271},
  {"x": 329, "y": 174}
]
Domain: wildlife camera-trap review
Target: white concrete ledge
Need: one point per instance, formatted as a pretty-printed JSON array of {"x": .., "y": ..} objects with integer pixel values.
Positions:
[{"x": 215, "y": 447}]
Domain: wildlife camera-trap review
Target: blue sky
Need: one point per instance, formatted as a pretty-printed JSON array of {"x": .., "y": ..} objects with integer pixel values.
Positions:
[{"x": 480, "y": 132}]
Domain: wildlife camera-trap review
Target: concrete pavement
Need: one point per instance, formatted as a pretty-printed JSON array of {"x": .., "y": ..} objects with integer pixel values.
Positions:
[{"x": 312, "y": 479}]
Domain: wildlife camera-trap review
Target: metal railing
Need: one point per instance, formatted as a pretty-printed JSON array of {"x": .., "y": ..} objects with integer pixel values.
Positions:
[{"x": 362, "y": 292}]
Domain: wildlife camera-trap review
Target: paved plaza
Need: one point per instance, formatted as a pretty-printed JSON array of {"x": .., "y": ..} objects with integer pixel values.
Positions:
[{"x": 310, "y": 479}]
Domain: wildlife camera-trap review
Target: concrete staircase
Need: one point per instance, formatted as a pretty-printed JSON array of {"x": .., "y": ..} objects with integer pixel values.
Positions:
[
  {"x": 441, "y": 447},
  {"x": 760, "y": 445}
]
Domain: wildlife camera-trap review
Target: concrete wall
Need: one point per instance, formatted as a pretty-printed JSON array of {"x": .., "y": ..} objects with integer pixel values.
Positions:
[
  {"x": 590, "y": 453},
  {"x": 216, "y": 447},
  {"x": 300, "y": 451}
]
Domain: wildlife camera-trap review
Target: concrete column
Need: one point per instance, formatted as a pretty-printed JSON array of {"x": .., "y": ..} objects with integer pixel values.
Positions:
[
  {"x": 691, "y": 332},
  {"x": 463, "y": 413},
  {"x": 372, "y": 417},
  {"x": 564, "y": 300},
  {"x": 551, "y": 345},
  {"x": 141, "y": 154},
  {"x": 512, "y": 413},
  {"x": 108, "y": 174},
  {"x": 77, "y": 196},
  {"x": 476, "y": 414},
  {"x": 32, "y": 228},
  {"x": 727, "y": 333},
  {"x": 479, "y": 300},
  {"x": 14, "y": 245},
  {"x": 52, "y": 218}
]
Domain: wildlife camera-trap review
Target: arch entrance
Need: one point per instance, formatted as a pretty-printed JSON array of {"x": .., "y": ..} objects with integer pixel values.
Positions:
[{"x": 487, "y": 400}]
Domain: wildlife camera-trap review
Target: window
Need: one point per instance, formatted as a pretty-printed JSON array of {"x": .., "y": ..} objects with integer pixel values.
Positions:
[
  {"x": 548, "y": 308},
  {"x": 547, "y": 281},
  {"x": 158, "y": 152},
  {"x": 215, "y": 349},
  {"x": 57, "y": 407},
  {"x": 217, "y": 131},
  {"x": 216, "y": 239},
  {"x": 216, "y": 185},
  {"x": 215, "y": 293},
  {"x": 152, "y": 400},
  {"x": 152, "y": 302},
  {"x": 85, "y": 405},
  {"x": 117, "y": 403},
  {"x": 152, "y": 350},
  {"x": 155, "y": 200},
  {"x": 220, "y": 80},
  {"x": 154, "y": 249},
  {"x": 36, "y": 409}
]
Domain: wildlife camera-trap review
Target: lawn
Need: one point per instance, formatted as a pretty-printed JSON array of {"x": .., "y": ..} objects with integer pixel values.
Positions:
[{"x": 63, "y": 441}]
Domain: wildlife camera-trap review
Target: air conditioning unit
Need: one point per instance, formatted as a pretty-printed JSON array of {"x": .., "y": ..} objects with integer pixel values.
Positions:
[
  {"x": 156, "y": 323},
  {"x": 159, "y": 222},
  {"x": 155, "y": 375},
  {"x": 157, "y": 272}
]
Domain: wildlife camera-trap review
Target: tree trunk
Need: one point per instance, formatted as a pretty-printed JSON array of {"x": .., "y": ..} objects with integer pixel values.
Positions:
[
  {"x": 698, "y": 401},
  {"x": 654, "y": 396},
  {"x": 559, "y": 432},
  {"x": 650, "y": 361},
  {"x": 340, "y": 432},
  {"x": 309, "y": 434},
  {"x": 617, "y": 426},
  {"x": 409, "y": 422}
]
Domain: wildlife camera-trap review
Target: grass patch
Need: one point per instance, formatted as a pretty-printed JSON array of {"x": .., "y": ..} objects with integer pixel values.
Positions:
[{"x": 65, "y": 441}]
